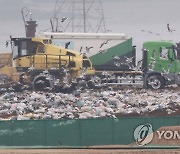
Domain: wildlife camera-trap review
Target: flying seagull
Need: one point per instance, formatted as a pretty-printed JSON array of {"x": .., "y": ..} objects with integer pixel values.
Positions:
[
  {"x": 7, "y": 43},
  {"x": 169, "y": 28},
  {"x": 165, "y": 73},
  {"x": 64, "y": 19},
  {"x": 105, "y": 42},
  {"x": 67, "y": 44},
  {"x": 116, "y": 57},
  {"x": 150, "y": 32},
  {"x": 102, "y": 50},
  {"x": 129, "y": 60},
  {"x": 88, "y": 48}
]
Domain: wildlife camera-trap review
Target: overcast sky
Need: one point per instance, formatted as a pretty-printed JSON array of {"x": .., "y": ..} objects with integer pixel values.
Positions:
[{"x": 121, "y": 16}]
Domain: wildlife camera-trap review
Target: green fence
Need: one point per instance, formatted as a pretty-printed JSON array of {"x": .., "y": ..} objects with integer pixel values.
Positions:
[{"x": 77, "y": 132}]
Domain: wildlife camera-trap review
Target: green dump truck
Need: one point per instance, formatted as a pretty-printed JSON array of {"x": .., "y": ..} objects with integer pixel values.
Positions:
[{"x": 159, "y": 67}]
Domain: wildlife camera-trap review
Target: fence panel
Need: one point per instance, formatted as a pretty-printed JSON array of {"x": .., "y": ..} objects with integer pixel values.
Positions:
[
  {"x": 28, "y": 133},
  {"x": 62, "y": 132},
  {"x": 96, "y": 132},
  {"x": 78, "y": 132},
  {"x": 5, "y": 133},
  {"x": 124, "y": 129}
]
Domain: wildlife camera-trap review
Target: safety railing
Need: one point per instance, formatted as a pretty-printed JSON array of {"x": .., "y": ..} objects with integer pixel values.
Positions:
[{"x": 50, "y": 61}]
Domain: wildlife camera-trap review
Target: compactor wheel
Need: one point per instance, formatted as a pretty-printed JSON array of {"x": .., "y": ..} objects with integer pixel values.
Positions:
[{"x": 43, "y": 83}]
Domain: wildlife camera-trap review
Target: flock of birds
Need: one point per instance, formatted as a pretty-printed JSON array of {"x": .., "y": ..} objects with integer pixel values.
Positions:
[
  {"x": 88, "y": 48},
  {"x": 169, "y": 29},
  {"x": 63, "y": 19}
]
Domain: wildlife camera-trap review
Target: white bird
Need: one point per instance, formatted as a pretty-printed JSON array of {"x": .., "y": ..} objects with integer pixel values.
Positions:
[
  {"x": 64, "y": 19},
  {"x": 40, "y": 81},
  {"x": 134, "y": 68},
  {"x": 45, "y": 72},
  {"x": 170, "y": 29},
  {"x": 105, "y": 73},
  {"x": 102, "y": 50},
  {"x": 7, "y": 43},
  {"x": 82, "y": 52},
  {"x": 67, "y": 45},
  {"x": 150, "y": 32},
  {"x": 116, "y": 63},
  {"x": 30, "y": 69},
  {"x": 165, "y": 73},
  {"x": 48, "y": 88},
  {"x": 153, "y": 59},
  {"x": 105, "y": 42},
  {"x": 129, "y": 60},
  {"x": 116, "y": 57},
  {"x": 24, "y": 87},
  {"x": 30, "y": 15},
  {"x": 151, "y": 65},
  {"x": 11, "y": 89},
  {"x": 88, "y": 48}
]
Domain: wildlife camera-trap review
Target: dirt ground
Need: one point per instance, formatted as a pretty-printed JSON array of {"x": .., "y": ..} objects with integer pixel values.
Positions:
[{"x": 88, "y": 151}]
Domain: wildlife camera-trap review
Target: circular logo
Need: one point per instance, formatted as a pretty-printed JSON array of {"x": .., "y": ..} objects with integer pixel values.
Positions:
[{"x": 143, "y": 134}]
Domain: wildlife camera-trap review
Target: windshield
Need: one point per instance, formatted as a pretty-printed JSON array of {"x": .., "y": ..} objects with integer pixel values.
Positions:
[{"x": 23, "y": 48}]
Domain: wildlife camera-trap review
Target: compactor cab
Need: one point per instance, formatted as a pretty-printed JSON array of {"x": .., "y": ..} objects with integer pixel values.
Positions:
[{"x": 42, "y": 54}]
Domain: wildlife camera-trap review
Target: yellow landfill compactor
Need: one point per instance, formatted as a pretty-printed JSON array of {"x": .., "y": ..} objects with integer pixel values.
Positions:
[{"x": 37, "y": 62}]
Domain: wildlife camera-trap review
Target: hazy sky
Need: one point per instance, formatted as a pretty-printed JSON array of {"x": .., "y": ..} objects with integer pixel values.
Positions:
[{"x": 122, "y": 16}]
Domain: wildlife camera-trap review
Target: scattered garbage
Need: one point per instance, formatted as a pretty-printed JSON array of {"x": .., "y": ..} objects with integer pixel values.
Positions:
[{"x": 89, "y": 103}]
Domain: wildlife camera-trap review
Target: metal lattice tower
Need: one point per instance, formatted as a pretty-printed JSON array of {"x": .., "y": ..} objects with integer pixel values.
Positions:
[{"x": 83, "y": 16}]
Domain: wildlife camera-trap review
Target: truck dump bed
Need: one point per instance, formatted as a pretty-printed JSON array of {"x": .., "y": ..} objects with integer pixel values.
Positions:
[{"x": 5, "y": 59}]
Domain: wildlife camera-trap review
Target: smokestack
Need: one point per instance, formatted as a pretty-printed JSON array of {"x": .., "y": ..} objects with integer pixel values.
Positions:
[
  {"x": 30, "y": 28},
  {"x": 30, "y": 25}
]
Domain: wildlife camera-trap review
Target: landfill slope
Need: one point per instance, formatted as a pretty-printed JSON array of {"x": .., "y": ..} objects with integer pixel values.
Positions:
[{"x": 90, "y": 103}]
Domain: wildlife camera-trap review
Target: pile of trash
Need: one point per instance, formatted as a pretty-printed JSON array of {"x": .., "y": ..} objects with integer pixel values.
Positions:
[{"x": 101, "y": 103}]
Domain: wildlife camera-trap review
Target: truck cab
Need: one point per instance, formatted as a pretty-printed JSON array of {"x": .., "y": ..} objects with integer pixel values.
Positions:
[{"x": 161, "y": 64}]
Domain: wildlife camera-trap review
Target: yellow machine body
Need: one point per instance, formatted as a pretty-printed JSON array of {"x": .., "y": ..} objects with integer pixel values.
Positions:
[
  {"x": 40, "y": 54},
  {"x": 11, "y": 72},
  {"x": 5, "y": 59}
]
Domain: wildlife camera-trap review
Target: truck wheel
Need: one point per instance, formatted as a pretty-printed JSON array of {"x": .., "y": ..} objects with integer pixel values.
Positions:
[
  {"x": 42, "y": 83},
  {"x": 95, "y": 82},
  {"x": 155, "y": 82}
]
